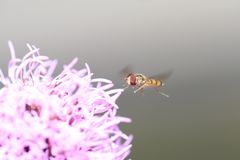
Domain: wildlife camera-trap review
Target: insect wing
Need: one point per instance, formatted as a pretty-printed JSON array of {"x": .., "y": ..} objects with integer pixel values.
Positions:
[
  {"x": 126, "y": 71},
  {"x": 162, "y": 76}
]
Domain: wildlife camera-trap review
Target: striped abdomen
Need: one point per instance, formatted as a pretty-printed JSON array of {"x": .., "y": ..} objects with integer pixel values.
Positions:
[{"x": 154, "y": 83}]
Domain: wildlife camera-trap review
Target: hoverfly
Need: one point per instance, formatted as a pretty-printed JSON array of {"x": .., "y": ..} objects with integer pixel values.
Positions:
[{"x": 140, "y": 81}]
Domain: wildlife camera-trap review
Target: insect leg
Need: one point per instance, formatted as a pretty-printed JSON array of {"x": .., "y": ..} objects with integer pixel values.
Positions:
[
  {"x": 125, "y": 87},
  {"x": 141, "y": 91},
  {"x": 140, "y": 88},
  {"x": 164, "y": 94}
]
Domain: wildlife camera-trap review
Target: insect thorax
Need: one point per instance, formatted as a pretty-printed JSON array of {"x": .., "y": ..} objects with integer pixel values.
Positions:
[{"x": 140, "y": 79}]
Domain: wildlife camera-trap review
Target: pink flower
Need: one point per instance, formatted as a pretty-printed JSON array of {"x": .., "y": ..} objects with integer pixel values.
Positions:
[{"x": 69, "y": 117}]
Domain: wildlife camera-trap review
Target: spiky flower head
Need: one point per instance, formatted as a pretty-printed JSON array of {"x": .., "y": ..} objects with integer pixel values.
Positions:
[{"x": 69, "y": 117}]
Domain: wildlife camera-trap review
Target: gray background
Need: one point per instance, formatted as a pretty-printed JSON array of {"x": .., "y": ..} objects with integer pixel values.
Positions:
[{"x": 199, "y": 40}]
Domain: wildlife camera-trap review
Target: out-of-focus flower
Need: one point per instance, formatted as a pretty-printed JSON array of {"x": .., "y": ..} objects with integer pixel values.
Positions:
[{"x": 69, "y": 117}]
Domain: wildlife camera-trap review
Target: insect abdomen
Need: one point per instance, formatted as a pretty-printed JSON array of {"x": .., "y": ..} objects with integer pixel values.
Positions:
[{"x": 154, "y": 82}]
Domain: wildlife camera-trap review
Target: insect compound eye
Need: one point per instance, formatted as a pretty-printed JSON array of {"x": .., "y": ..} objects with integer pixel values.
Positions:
[{"x": 133, "y": 80}]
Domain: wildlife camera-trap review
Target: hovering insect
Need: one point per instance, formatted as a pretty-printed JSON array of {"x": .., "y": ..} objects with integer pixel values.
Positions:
[{"x": 141, "y": 81}]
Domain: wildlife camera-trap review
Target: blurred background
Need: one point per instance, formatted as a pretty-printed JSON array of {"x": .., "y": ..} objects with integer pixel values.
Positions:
[{"x": 199, "y": 40}]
